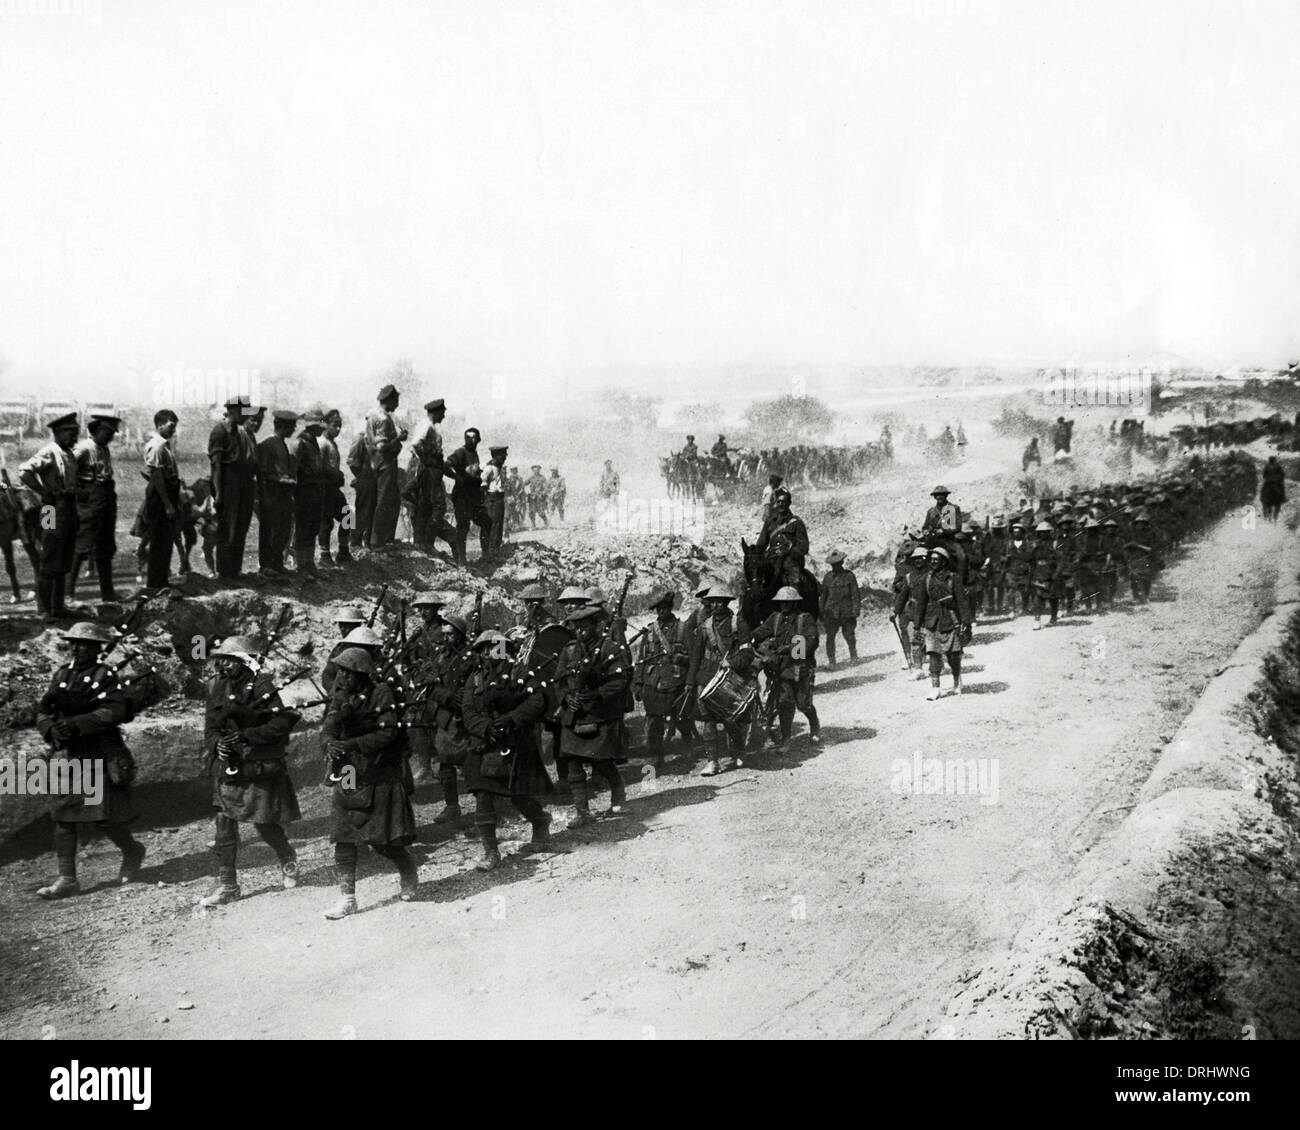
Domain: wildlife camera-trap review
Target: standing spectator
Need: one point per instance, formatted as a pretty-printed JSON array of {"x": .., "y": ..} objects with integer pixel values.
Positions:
[
  {"x": 334, "y": 506},
  {"x": 52, "y": 474},
  {"x": 162, "y": 499},
  {"x": 276, "y": 479},
  {"x": 96, "y": 505},
  {"x": 363, "y": 483},
  {"x": 494, "y": 495},
  {"x": 232, "y": 453},
  {"x": 559, "y": 490},
  {"x": 384, "y": 441},
  {"x": 467, "y": 495},
  {"x": 309, "y": 495}
]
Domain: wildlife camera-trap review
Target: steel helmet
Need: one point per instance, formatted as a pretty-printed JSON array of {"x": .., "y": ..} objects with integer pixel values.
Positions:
[
  {"x": 718, "y": 592},
  {"x": 429, "y": 600},
  {"x": 455, "y": 623},
  {"x": 939, "y": 551},
  {"x": 87, "y": 632},
  {"x": 489, "y": 636},
  {"x": 573, "y": 595},
  {"x": 533, "y": 592},
  {"x": 919, "y": 551},
  {"x": 236, "y": 647},
  {"x": 349, "y": 616},
  {"x": 355, "y": 659},
  {"x": 363, "y": 636},
  {"x": 788, "y": 592}
]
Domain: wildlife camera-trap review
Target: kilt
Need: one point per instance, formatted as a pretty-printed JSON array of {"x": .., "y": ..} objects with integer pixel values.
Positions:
[
  {"x": 452, "y": 745},
  {"x": 373, "y": 814},
  {"x": 521, "y": 774},
  {"x": 606, "y": 744},
  {"x": 267, "y": 800},
  {"x": 943, "y": 643},
  {"x": 798, "y": 691},
  {"x": 116, "y": 805}
]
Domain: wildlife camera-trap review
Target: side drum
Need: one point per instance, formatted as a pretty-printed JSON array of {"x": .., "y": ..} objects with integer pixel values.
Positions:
[{"x": 728, "y": 696}]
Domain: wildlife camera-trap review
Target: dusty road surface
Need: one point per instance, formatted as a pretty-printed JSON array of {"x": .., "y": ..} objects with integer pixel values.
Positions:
[{"x": 805, "y": 894}]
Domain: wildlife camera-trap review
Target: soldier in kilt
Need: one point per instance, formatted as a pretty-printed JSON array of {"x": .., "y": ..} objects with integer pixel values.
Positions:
[
  {"x": 372, "y": 781},
  {"x": 595, "y": 672},
  {"x": 659, "y": 679},
  {"x": 943, "y": 612},
  {"x": 79, "y": 717},
  {"x": 246, "y": 731},
  {"x": 421, "y": 662},
  {"x": 502, "y": 713},
  {"x": 446, "y": 678},
  {"x": 717, "y": 640}
]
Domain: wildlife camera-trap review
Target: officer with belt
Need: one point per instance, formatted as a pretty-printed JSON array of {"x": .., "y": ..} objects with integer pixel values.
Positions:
[{"x": 52, "y": 474}]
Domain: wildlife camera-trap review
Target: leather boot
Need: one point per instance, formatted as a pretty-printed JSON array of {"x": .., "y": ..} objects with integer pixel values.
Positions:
[
  {"x": 490, "y": 857},
  {"x": 226, "y": 890},
  {"x": 582, "y": 813}
]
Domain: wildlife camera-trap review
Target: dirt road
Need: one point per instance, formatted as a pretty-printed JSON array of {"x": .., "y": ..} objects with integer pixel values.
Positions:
[{"x": 802, "y": 895}]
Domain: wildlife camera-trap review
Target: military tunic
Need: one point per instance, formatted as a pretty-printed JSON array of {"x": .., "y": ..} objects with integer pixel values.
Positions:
[
  {"x": 52, "y": 473},
  {"x": 378, "y": 811},
  {"x": 91, "y": 700},
  {"x": 263, "y": 792}
]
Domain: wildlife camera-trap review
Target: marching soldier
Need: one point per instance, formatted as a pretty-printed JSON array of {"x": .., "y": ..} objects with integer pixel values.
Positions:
[
  {"x": 384, "y": 441},
  {"x": 995, "y": 567},
  {"x": 535, "y": 615},
  {"x": 907, "y": 593},
  {"x": 717, "y": 640},
  {"x": 446, "y": 678},
  {"x": 276, "y": 480},
  {"x": 421, "y": 662},
  {"x": 558, "y": 492},
  {"x": 784, "y": 537},
  {"x": 1089, "y": 565},
  {"x": 232, "y": 454},
  {"x": 1044, "y": 579},
  {"x": 789, "y": 660},
  {"x": 1020, "y": 568},
  {"x": 535, "y": 493},
  {"x": 356, "y": 633},
  {"x": 467, "y": 496},
  {"x": 659, "y": 678},
  {"x": 502, "y": 712},
  {"x": 943, "y": 612},
  {"x": 52, "y": 474},
  {"x": 79, "y": 716},
  {"x": 1112, "y": 561},
  {"x": 96, "y": 505},
  {"x": 840, "y": 606},
  {"x": 595, "y": 671},
  {"x": 309, "y": 496},
  {"x": 246, "y": 731},
  {"x": 372, "y": 783},
  {"x": 1142, "y": 557}
]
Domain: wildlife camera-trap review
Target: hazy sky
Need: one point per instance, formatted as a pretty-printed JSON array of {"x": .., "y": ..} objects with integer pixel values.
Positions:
[{"x": 551, "y": 185}]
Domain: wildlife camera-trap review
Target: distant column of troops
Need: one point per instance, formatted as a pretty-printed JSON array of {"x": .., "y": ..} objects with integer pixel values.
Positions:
[{"x": 1050, "y": 558}]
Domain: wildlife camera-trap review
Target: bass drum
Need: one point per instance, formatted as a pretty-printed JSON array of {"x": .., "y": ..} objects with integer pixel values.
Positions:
[{"x": 538, "y": 658}]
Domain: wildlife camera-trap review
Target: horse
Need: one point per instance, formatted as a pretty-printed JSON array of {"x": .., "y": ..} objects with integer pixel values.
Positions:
[{"x": 763, "y": 578}]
